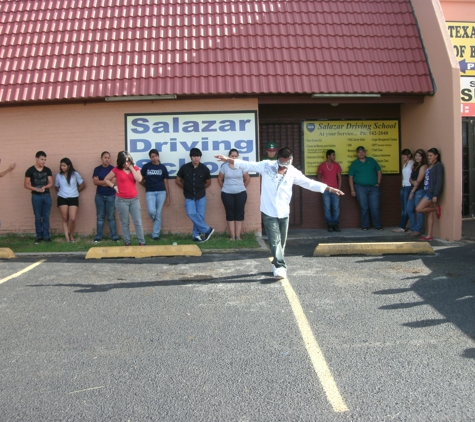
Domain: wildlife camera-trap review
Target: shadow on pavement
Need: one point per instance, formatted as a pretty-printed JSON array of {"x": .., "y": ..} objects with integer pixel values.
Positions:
[{"x": 449, "y": 289}]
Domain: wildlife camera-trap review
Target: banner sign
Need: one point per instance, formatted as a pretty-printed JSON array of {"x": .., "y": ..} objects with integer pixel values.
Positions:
[
  {"x": 173, "y": 135},
  {"x": 379, "y": 137},
  {"x": 462, "y": 35}
]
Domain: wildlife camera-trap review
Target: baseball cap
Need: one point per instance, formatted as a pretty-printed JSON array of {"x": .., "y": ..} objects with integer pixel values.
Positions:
[
  {"x": 360, "y": 148},
  {"x": 271, "y": 145}
]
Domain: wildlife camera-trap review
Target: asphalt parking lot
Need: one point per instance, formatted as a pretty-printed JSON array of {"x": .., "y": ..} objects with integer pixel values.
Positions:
[{"x": 217, "y": 338}]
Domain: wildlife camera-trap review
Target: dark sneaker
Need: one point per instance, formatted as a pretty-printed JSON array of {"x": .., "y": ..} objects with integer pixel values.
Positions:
[
  {"x": 115, "y": 239},
  {"x": 208, "y": 234},
  {"x": 127, "y": 243},
  {"x": 330, "y": 227},
  {"x": 198, "y": 239},
  {"x": 156, "y": 238},
  {"x": 336, "y": 228},
  {"x": 379, "y": 228},
  {"x": 38, "y": 241},
  {"x": 47, "y": 240}
]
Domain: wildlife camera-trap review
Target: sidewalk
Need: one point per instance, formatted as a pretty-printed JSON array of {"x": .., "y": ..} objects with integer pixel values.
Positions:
[{"x": 372, "y": 235}]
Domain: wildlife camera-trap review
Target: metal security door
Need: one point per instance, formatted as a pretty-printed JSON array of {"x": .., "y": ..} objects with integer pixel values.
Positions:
[{"x": 468, "y": 167}]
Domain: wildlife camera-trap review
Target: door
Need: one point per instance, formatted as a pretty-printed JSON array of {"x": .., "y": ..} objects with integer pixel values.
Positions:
[{"x": 468, "y": 167}]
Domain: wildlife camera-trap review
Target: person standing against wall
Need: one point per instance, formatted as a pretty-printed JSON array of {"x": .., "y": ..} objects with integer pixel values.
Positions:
[
  {"x": 364, "y": 177},
  {"x": 406, "y": 187},
  {"x": 104, "y": 199},
  {"x": 155, "y": 180},
  {"x": 271, "y": 151},
  {"x": 329, "y": 172},
  {"x": 433, "y": 186},
  {"x": 126, "y": 176},
  {"x": 417, "y": 192},
  {"x": 68, "y": 184},
  {"x": 39, "y": 179},
  {"x": 194, "y": 177},
  {"x": 233, "y": 183}
]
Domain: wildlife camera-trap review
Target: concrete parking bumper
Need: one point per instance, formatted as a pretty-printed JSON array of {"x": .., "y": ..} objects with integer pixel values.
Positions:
[
  {"x": 377, "y": 248},
  {"x": 142, "y": 251},
  {"x": 6, "y": 253}
]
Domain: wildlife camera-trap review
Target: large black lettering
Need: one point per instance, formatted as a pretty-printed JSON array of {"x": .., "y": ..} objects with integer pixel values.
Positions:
[{"x": 467, "y": 95}]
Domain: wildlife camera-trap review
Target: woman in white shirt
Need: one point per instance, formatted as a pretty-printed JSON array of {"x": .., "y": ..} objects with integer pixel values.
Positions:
[
  {"x": 68, "y": 184},
  {"x": 407, "y": 162},
  {"x": 233, "y": 184}
]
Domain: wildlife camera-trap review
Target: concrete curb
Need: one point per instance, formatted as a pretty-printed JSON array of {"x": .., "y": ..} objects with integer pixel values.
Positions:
[
  {"x": 6, "y": 253},
  {"x": 143, "y": 251},
  {"x": 380, "y": 248}
]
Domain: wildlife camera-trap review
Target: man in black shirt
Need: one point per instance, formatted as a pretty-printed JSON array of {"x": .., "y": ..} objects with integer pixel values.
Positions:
[
  {"x": 39, "y": 179},
  {"x": 194, "y": 178}
]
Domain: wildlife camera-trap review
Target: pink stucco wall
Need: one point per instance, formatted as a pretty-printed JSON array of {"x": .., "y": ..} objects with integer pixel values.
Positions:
[
  {"x": 437, "y": 122},
  {"x": 458, "y": 10},
  {"x": 81, "y": 132}
]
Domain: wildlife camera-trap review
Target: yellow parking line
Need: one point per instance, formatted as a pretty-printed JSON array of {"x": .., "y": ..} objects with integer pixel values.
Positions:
[
  {"x": 22, "y": 271},
  {"x": 316, "y": 355}
]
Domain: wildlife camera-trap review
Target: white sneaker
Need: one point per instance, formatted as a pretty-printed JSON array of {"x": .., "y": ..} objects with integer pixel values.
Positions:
[{"x": 280, "y": 273}]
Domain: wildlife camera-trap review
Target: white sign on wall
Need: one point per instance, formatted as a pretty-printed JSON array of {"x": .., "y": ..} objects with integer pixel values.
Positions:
[{"x": 173, "y": 135}]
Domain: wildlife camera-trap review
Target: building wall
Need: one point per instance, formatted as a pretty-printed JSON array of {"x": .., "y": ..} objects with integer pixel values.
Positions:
[
  {"x": 436, "y": 122},
  {"x": 458, "y": 10},
  {"x": 81, "y": 132}
]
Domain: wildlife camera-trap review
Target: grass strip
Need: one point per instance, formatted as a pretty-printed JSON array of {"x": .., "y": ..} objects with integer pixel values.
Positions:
[{"x": 25, "y": 243}]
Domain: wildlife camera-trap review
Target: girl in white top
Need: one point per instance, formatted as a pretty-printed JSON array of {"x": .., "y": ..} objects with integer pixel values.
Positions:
[
  {"x": 68, "y": 184},
  {"x": 407, "y": 162}
]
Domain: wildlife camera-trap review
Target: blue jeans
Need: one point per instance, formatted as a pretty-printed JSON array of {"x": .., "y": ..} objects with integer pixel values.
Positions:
[
  {"x": 416, "y": 218},
  {"x": 42, "y": 209},
  {"x": 404, "y": 195},
  {"x": 105, "y": 206},
  {"x": 331, "y": 207},
  {"x": 368, "y": 200},
  {"x": 195, "y": 210},
  {"x": 132, "y": 206},
  {"x": 155, "y": 201},
  {"x": 276, "y": 229}
]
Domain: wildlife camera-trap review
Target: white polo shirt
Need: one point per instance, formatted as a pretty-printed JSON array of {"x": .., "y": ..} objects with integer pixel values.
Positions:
[{"x": 276, "y": 191}]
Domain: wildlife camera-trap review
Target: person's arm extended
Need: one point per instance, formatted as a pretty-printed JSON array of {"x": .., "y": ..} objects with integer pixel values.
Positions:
[
  {"x": 9, "y": 168},
  {"x": 314, "y": 185},
  {"x": 245, "y": 165}
]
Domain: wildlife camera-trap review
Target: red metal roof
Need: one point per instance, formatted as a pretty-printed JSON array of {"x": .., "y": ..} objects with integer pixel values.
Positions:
[{"x": 86, "y": 49}]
